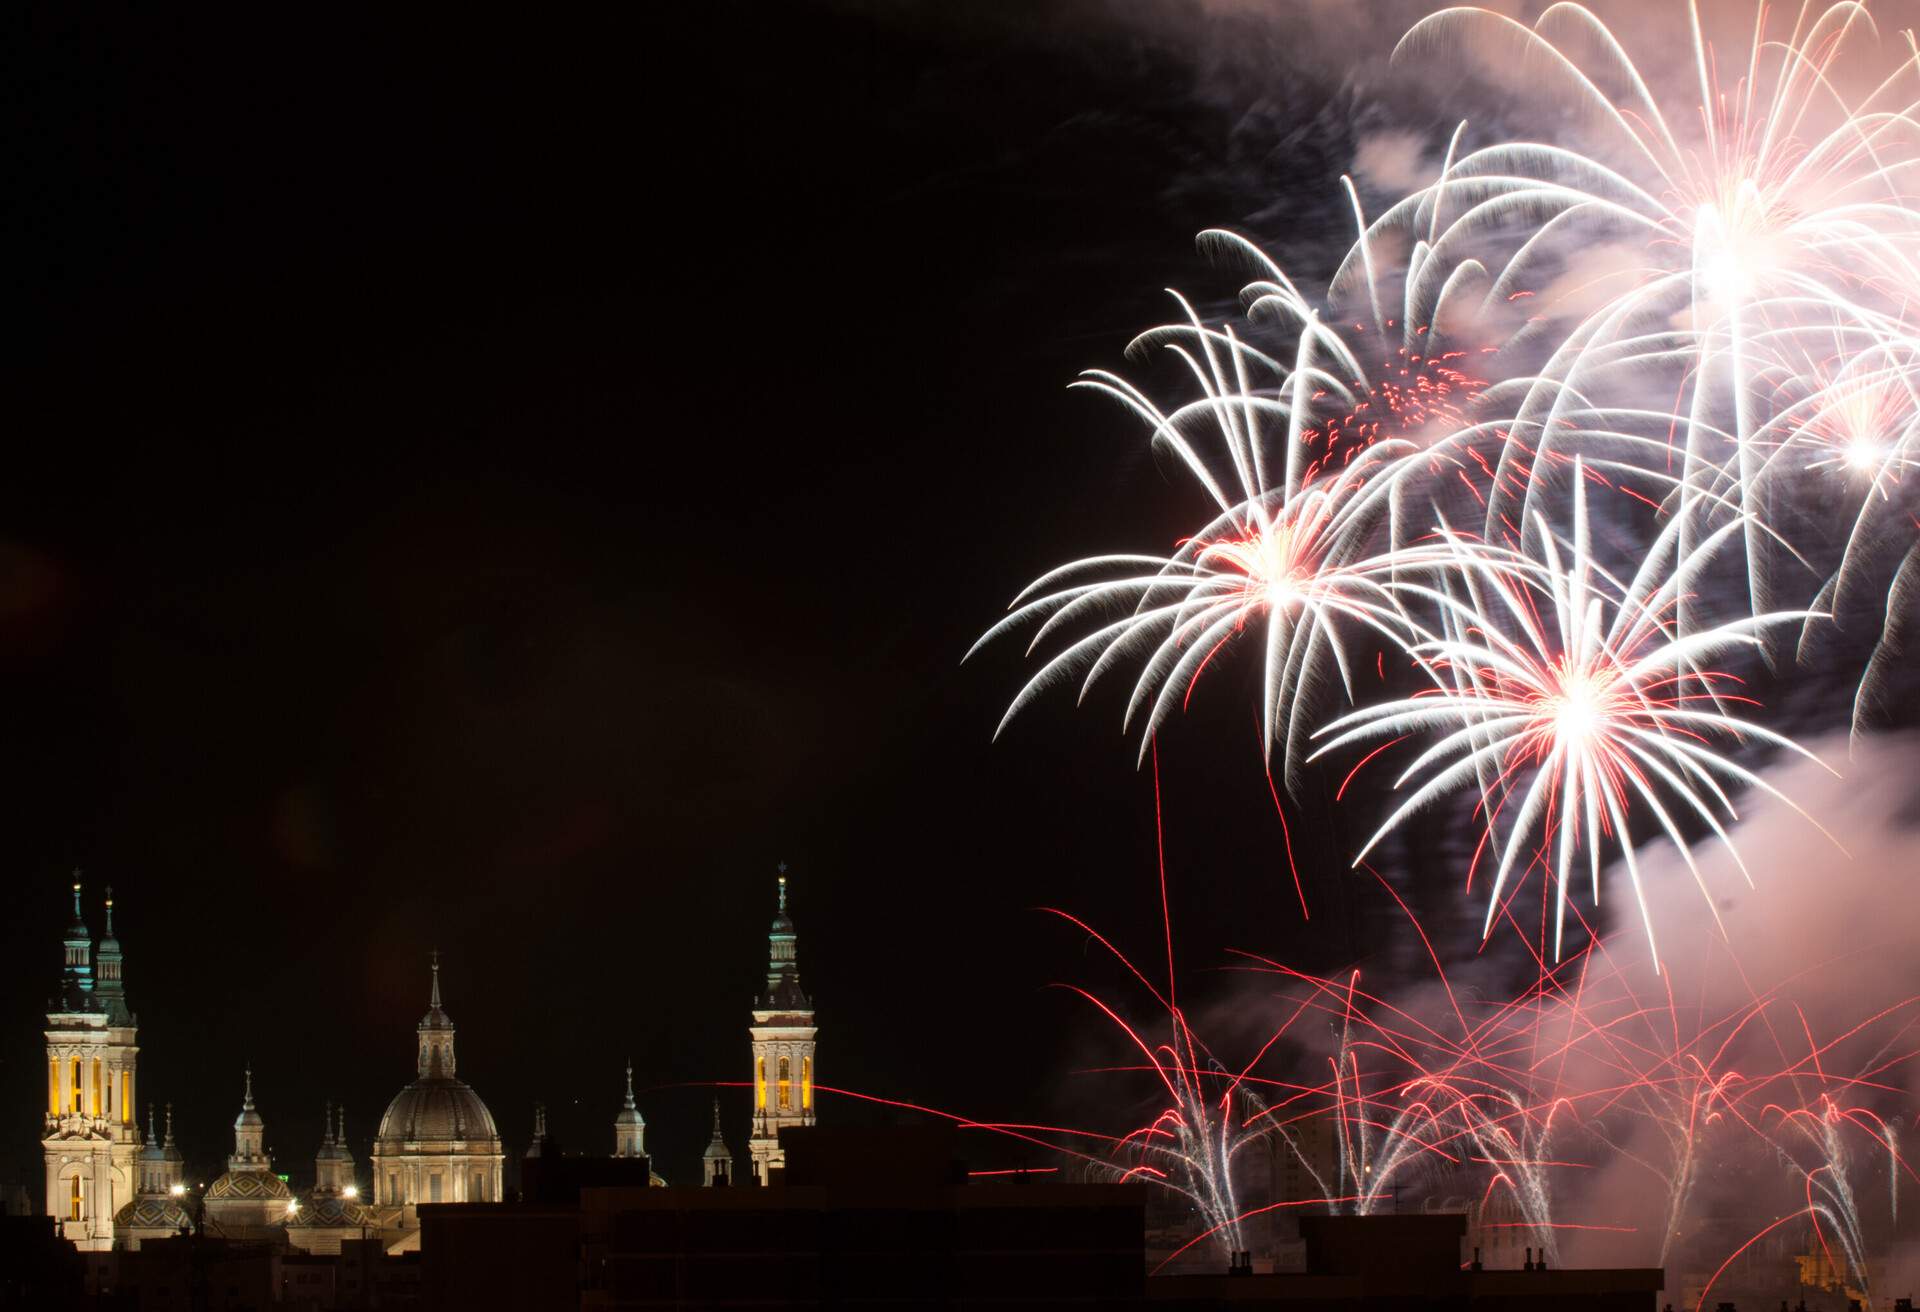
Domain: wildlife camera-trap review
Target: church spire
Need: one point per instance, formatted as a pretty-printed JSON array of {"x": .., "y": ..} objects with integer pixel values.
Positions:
[
  {"x": 76, "y": 975},
  {"x": 783, "y": 966},
  {"x": 109, "y": 973},
  {"x": 249, "y": 1134},
  {"x": 436, "y": 1034},
  {"x": 629, "y": 1127},
  {"x": 716, "y": 1163},
  {"x": 539, "y": 1145}
]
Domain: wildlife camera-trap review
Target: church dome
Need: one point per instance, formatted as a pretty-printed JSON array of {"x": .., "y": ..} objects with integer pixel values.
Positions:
[
  {"x": 249, "y": 1185},
  {"x": 436, "y": 1108},
  {"x": 332, "y": 1211},
  {"x": 149, "y": 1213}
]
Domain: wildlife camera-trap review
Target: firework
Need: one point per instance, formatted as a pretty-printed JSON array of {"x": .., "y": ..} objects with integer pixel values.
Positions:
[
  {"x": 1769, "y": 211},
  {"x": 1572, "y": 700}
]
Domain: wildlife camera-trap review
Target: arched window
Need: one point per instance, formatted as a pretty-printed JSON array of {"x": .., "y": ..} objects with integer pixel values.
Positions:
[{"x": 786, "y": 1084}]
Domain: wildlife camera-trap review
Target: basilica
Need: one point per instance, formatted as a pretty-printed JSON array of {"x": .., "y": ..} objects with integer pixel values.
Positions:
[{"x": 112, "y": 1182}]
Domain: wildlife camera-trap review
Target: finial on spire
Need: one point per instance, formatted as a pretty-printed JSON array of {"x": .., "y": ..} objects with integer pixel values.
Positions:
[
  {"x": 76, "y": 894},
  {"x": 152, "y": 1137},
  {"x": 629, "y": 1081},
  {"x": 716, "y": 1116},
  {"x": 341, "y": 1137},
  {"x": 249, "y": 1101},
  {"x": 436, "y": 977},
  {"x": 783, "y": 887},
  {"x": 169, "y": 1123},
  {"x": 326, "y": 1122},
  {"x": 109, "y": 910}
]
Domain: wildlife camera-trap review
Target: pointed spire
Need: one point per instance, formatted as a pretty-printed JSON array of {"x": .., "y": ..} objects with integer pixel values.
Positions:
[
  {"x": 783, "y": 888},
  {"x": 326, "y": 1123},
  {"x": 629, "y": 1083},
  {"x": 109, "y": 910},
  {"x": 169, "y": 1125},
  {"x": 717, "y": 1133},
  {"x": 341, "y": 1137},
  {"x": 78, "y": 918},
  {"x": 247, "y": 1104},
  {"x": 151, "y": 1136},
  {"x": 434, "y": 1003}
]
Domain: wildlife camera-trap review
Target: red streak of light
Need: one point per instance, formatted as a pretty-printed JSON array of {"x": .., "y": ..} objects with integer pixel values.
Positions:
[
  {"x": 1305, "y": 1202},
  {"x": 1160, "y": 849},
  {"x": 1743, "y": 1248},
  {"x": 1018, "y": 1170},
  {"x": 1286, "y": 837},
  {"x": 1341, "y": 791}
]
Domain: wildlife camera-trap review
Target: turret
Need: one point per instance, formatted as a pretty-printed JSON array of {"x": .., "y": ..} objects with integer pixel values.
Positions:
[
  {"x": 629, "y": 1127},
  {"x": 717, "y": 1161},
  {"x": 540, "y": 1145},
  {"x": 333, "y": 1163},
  {"x": 109, "y": 983},
  {"x": 76, "y": 975},
  {"x": 249, "y": 1135},
  {"x": 436, "y": 1035}
]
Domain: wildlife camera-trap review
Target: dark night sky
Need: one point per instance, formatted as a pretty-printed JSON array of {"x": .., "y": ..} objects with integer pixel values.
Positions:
[
  {"x": 469, "y": 486},
  {"x": 505, "y": 487}
]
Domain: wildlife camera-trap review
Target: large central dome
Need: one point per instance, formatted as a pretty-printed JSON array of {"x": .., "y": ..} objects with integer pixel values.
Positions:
[
  {"x": 437, "y": 1142},
  {"x": 436, "y": 1109}
]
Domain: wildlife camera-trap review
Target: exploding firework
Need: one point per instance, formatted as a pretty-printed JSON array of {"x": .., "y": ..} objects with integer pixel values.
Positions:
[
  {"x": 1696, "y": 245},
  {"x": 1573, "y": 701}
]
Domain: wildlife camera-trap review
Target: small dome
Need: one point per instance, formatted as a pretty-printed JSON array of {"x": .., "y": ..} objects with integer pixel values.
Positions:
[
  {"x": 330, "y": 1211},
  {"x": 249, "y": 1184},
  {"x": 436, "y": 1108},
  {"x": 154, "y": 1214}
]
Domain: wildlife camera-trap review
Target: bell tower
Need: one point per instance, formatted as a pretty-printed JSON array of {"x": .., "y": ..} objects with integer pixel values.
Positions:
[
  {"x": 783, "y": 1043},
  {"x": 90, "y": 1138}
]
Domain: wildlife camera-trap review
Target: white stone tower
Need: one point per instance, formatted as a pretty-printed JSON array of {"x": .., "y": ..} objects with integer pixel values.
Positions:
[
  {"x": 716, "y": 1162},
  {"x": 91, "y": 1138},
  {"x": 783, "y": 1042},
  {"x": 629, "y": 1127}
]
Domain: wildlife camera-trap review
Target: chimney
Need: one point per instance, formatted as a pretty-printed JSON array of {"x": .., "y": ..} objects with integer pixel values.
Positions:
[
  {"x": 1528, "y": 1264},
  {"x": 1476, "y": 1258},
  {"x": 1241, "y": 1263}
]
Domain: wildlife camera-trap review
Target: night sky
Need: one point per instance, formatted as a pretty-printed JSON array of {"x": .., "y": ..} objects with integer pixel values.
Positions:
[{"x": 504, "y": 488}]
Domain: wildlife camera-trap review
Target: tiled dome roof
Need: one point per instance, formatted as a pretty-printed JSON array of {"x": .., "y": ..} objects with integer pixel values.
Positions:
[{"x": 249, "y": 1184}]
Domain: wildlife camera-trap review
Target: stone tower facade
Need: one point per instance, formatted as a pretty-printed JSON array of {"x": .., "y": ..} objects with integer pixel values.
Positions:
[
  {"x": 783, "y": 1033},
  {"x": 91, "y": 1137}
]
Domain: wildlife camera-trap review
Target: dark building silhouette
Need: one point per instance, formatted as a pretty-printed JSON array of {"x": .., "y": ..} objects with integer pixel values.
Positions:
[{"x": 1409, "y": 1263}]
